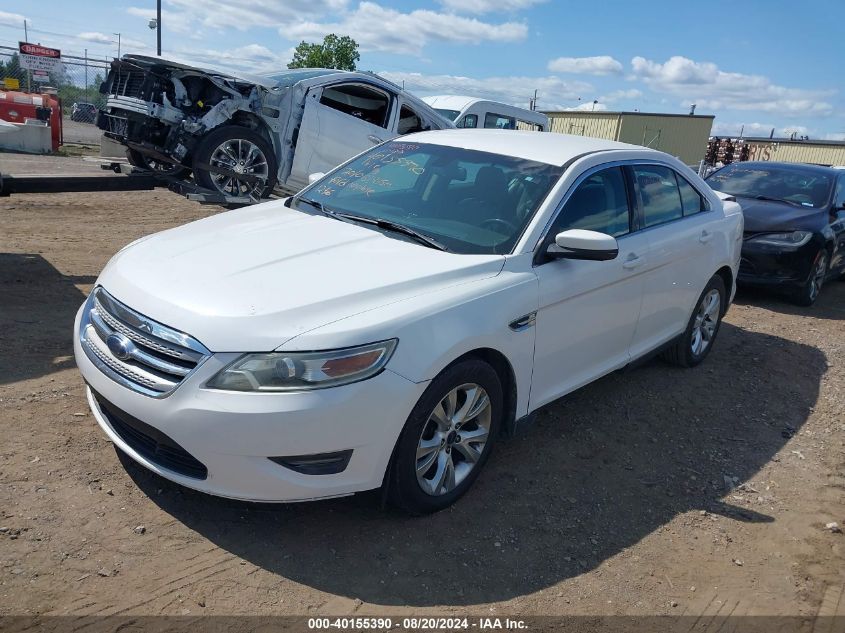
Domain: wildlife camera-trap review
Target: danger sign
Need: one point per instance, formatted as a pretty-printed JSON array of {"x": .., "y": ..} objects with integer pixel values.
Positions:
[
  {"x": 40, "y": 58},
  {"x": 36, "y": 49}
]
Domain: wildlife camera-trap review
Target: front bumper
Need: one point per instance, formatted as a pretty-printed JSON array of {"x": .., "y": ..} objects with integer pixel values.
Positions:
[
  {"x": 234, "y": 434},
  {"x": 763, "y": 265}
]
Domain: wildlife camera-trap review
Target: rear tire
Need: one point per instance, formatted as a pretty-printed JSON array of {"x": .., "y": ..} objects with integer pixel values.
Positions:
[
  {"x": 697, "y": 340},
  {"x": 447, "y": 439},
  {"x": 241, "y": 150},
  {"x": 809, "y": 292}
]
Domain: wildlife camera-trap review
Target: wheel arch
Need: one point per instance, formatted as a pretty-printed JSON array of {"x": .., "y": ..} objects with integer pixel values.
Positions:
[
  {"x": 504, "y": 370},
  {"x": 727, "y": 276},
  {"x": 256, "y": 123}
]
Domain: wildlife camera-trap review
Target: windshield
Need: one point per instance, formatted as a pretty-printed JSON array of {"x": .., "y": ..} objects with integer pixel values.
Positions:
[
  {"x": 452, "y": 115},
  {"x": 468, "y": 201},
  {"x": 804, "y": 187}
]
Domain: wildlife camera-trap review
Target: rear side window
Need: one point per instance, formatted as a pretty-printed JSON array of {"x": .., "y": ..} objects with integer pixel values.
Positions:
[
  {"x": 600, "y": 203},
  {"x": 499, "y": 121},
  {"x": 692, "y": 200},
  {"x": 470, "y": 120},
  {"x": 357, "y": 101},
  {"x": 659, "y": 194}
]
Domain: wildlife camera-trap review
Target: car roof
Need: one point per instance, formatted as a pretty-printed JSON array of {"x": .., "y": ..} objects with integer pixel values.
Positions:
[
  {"x": 805, "y": 167},
  {"x": 450, "y": 102},
  {"x": 545, "y": 147}
]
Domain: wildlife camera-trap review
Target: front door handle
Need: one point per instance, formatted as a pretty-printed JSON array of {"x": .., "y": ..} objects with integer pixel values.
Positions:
[
  {"x": 705, "y": 236},
  {"x": 374, "y": 139},
  {"x": 632, "y": 262}
]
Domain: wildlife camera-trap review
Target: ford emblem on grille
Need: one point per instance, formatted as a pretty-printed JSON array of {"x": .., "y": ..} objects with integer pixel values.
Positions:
[{"x": 120, "y": 346}]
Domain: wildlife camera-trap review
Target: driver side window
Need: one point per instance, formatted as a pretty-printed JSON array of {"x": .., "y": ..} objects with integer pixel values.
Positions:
[
  {"x": 600, "y": 203},
  {"x": 358, "y": 101}
]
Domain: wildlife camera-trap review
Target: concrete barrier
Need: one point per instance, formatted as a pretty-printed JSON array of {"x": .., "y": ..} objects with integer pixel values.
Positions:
[{"x": 31, "y": 137}]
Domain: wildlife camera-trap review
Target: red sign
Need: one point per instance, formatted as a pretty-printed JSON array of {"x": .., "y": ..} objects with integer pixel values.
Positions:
[{"x": 38, "y": 50}]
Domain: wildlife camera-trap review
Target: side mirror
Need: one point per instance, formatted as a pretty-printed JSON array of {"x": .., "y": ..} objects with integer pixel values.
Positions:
[
  {"x": 583, "y": 244},
  {"x": 312, "y": 178}
]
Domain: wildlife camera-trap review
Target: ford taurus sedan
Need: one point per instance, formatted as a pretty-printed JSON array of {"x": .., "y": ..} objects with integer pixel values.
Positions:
[
  {"x": 794, "y": 224},
  {"x": 383, "y": 326}
]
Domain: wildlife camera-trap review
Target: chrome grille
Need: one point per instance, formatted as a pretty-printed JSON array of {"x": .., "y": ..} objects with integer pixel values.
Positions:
[
  {"x": 135, "y": 351},
  {"x": 127, "y": 83},
  {"x": 116, "y": 125}
]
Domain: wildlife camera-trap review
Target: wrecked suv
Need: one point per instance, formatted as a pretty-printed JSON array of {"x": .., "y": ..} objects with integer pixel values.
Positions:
[{"x": 244, "y": 135}]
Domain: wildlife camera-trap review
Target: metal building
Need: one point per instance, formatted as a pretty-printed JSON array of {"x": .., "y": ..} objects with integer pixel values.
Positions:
[
  {"x": 795, "y": 151},
  {"x": 681, "y": 135}
]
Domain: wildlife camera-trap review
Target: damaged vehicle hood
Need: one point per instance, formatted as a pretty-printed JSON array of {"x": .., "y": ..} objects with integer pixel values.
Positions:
[
  {"x": 252, "y": 279},
  {"x": 145, "y": 62}
]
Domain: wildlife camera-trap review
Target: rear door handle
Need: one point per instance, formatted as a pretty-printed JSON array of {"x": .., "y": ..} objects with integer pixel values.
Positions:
[
  {"x": 374, "y": 139},
  {"x": 632, "y": 262},
  {"x": 705, "y": 236}
]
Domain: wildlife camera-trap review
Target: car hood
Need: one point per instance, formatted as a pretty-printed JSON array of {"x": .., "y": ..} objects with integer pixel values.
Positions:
[
  {"x": 146, "y": 61},
  {"x": 769, "y": 215},
  {"x": 252, "y": 279}
]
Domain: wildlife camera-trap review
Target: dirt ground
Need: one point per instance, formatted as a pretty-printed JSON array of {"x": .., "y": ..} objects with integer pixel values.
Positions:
[{"x": 652, "y": 491}]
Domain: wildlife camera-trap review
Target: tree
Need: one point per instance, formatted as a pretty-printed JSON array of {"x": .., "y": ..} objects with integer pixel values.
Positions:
[{"x": 335, "y": 52}]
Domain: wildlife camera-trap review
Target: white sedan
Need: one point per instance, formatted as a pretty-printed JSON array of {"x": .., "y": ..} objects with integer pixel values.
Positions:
[{"x": 383, "y": 326}]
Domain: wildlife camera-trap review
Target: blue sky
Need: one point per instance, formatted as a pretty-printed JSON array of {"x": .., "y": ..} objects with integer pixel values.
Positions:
[{"x": 761, "y": 65}]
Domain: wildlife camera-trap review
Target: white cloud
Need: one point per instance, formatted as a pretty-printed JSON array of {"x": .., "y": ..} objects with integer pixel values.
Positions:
[
  {"x": 13, "y": 19},
  {"x": 176, "y": 21},
  {"x": 600, "y": 65},
  {"x": 252, "y": 58},
  {"x": 758, "y": 130},
  {"x": 622, "y": 95},
  {"x": 488, "y": 6},
  {"x": 711, "y": 88},
  {"x": 97, "y": 38},
  {"x": 553, "y": 93},
  {"x": 834, "y": 136},
  {"x": 588, "y": 106},
  {"x": 187, "y": 15},
  {"x": 377, "y": 28}
]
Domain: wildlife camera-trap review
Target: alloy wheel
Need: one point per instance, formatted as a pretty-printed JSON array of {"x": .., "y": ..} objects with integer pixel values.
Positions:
[
  {"x": 817, "y": 278},
  {"x": 453, "y": 439},
  {"x": 706, "y": 321},
  {"x": 241, "y": 157}
]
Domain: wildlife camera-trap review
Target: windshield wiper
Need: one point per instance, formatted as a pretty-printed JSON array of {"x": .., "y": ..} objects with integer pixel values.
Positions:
[
  {"x": 422, "y": 238},
  {"x": 317, "y": 205},
  {"x": 770, "y": 199}
]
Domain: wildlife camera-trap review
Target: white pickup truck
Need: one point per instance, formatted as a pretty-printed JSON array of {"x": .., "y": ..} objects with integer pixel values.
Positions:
[{"x": 244, "y": 135}]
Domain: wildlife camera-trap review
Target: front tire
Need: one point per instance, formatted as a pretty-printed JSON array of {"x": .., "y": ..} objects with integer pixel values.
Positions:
[
  {"x": 703, "y": 326},
  {"x": 809, "y": 292},
  {"x": 239, "y": 150},
  {"x": 447, "y": 439}
]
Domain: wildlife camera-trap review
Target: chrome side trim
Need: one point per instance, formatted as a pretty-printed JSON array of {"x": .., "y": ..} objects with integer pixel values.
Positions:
[{"x": 523, "y": 322}]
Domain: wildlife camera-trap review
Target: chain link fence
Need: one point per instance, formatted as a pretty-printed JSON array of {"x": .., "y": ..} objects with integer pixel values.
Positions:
[{"x": 77, "y": 86}]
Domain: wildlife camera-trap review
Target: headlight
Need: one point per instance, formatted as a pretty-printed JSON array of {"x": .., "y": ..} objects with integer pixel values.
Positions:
[
  {"x": 298, "y": 371},
  {"x": 793, "y": 238}
]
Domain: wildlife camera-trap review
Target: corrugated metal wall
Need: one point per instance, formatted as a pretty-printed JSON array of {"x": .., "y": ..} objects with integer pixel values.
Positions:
[
  {"x": 595, "y": 124},
  {"x": 681, "y": 136},
  {"x": 797, "y": 152}
]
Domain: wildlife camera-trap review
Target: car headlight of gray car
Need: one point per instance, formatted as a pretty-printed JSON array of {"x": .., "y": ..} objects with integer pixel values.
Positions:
[{"x": 298, "y": 371}]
